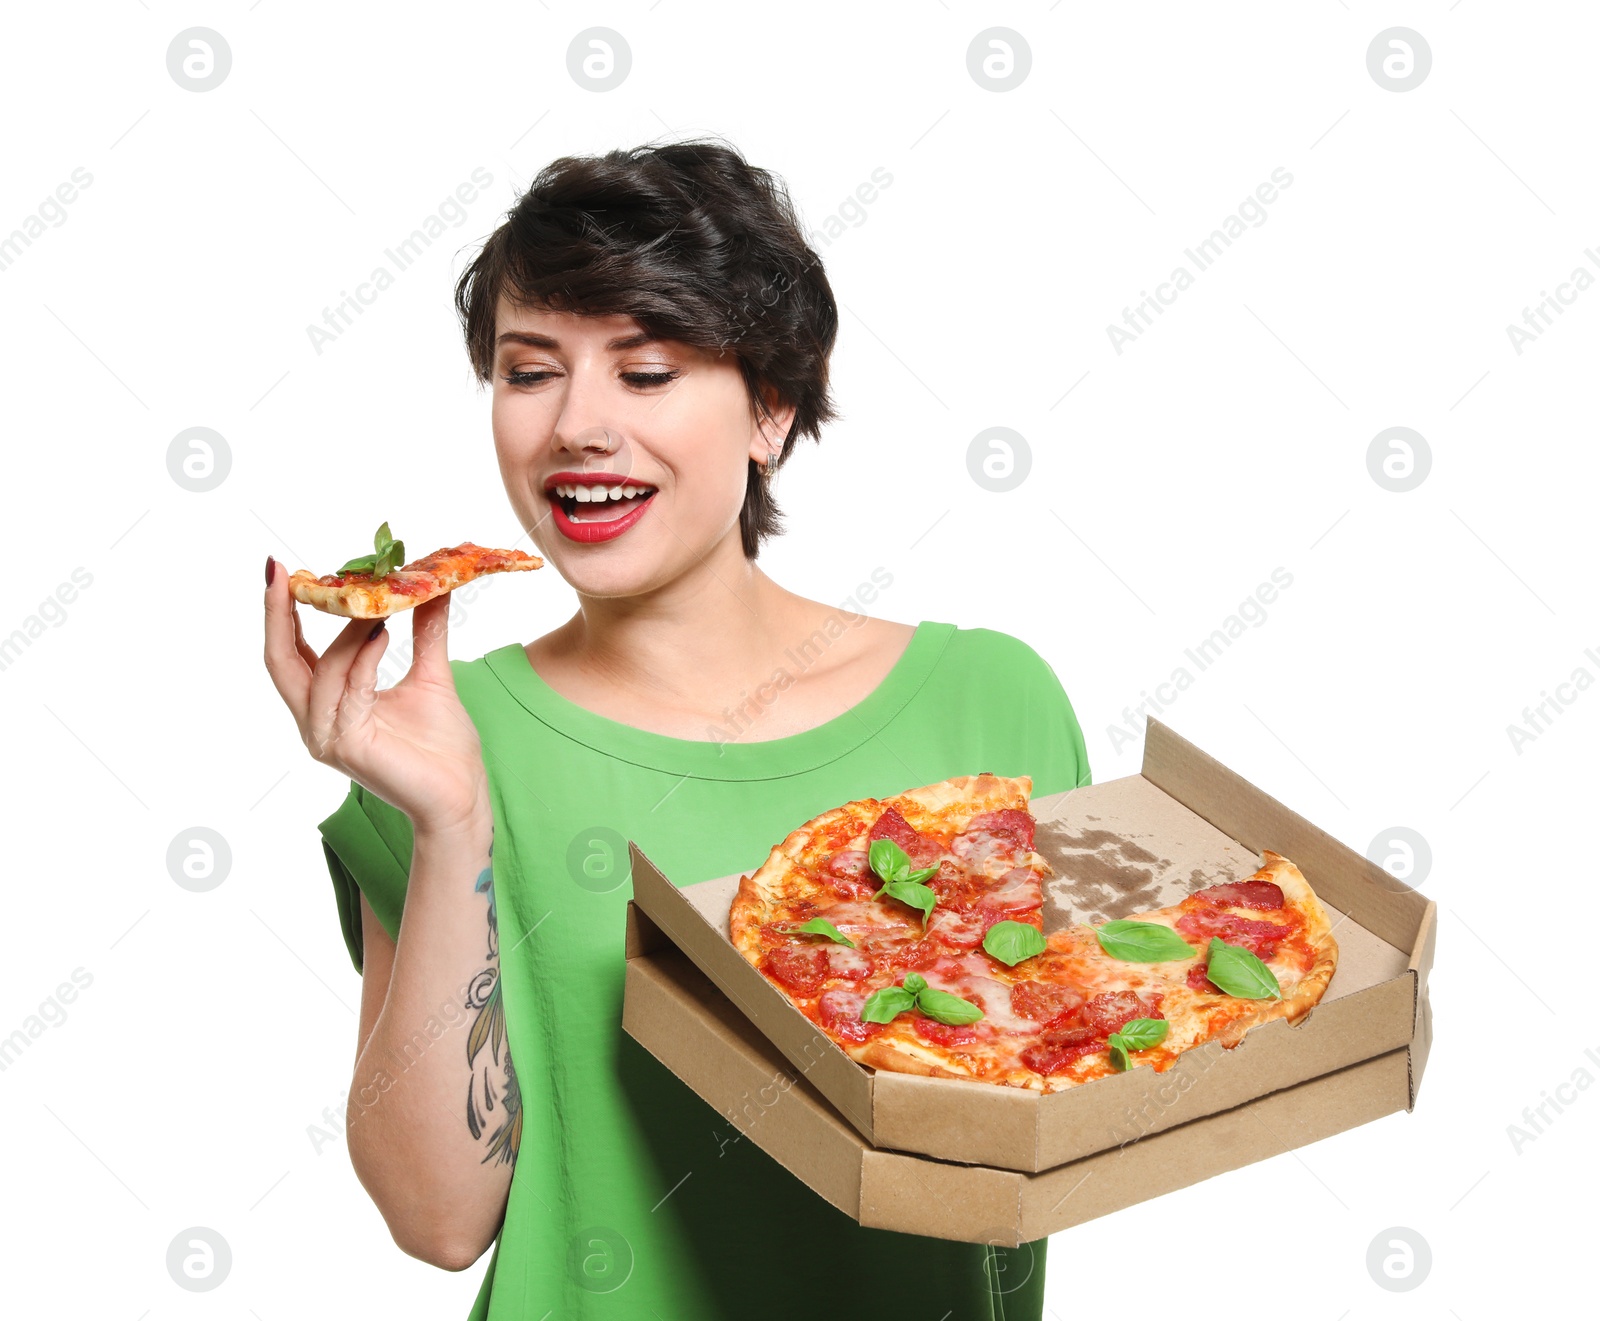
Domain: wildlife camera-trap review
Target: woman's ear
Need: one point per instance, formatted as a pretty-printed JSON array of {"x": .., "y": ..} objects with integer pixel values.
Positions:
[{"x": 769, "y": 433}]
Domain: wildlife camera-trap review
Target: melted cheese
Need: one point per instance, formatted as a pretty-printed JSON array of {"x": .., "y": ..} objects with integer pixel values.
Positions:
[
  {"x": 842, "y": 1003},
  {"x": 1016, "y": 889},
  {"x": 864, "y": 915},
  {"x": 957, "y": 928},
  {"x": 846, "y": 962},
  {"x": 988, "y": 853},
  {"x": 991, "y": 996}
]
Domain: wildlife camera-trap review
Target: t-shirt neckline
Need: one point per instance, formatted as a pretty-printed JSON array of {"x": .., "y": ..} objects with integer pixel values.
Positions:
[{"x": 729, "y": 759}]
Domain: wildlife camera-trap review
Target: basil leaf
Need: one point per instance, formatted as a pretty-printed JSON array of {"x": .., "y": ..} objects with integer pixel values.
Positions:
[
  {"x": 947, "y": 1008},
  {"x": 391, "y": 558},
  {"x": 1119, "y": 1052},
  {"x": 1236, "y": 971},
  {"x": 1142, "y": 1033},
  {"x": 890, "y": 1002},
  {"x": 885, "y": 857},
  {"x": 388, "y": 555},
  {"x": 1011, "y": 942},
  {"x": 885, "y": 1004},
  {"x": 818, "y": 926},
  {"x": 1142, "y": 942},
  {"x": 888, "y": 860},
  {"x": 910, "y": 892},
  {"x": 891, "y": 865}
]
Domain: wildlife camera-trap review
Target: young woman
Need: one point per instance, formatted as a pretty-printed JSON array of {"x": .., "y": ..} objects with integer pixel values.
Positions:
[{"x": 656, "y": 333}]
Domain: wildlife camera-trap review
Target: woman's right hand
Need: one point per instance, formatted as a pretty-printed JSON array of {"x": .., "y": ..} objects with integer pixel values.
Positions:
[{"x": 414, "y": 745}]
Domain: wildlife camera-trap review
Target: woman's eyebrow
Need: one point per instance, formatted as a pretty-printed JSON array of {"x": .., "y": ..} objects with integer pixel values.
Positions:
[
  {"x": 537, "y": 341},
  {"x": 633, "y": 341}
]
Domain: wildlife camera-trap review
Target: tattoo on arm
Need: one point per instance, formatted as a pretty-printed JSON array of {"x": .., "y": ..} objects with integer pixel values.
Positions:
[{"x": 489, "y": 1029}]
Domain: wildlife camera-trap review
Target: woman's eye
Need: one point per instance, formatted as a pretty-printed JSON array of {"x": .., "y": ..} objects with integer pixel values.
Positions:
[{"x": 641, "y": 379}]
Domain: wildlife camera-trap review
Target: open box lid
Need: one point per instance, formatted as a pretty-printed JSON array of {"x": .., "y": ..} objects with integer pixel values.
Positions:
[{"x": 1120, "y": 847}]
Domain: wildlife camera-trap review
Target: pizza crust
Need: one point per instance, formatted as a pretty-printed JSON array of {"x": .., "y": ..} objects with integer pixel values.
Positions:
[
  {"x": 930, "y": 807},
  {"x": 350, "y": 601},
  {"x": 1297, "y": 894},
  {"x": 898, "y": 1057}
]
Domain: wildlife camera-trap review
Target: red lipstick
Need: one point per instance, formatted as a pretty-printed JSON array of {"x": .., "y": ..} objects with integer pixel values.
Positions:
[{"x": 591, "y": 530}]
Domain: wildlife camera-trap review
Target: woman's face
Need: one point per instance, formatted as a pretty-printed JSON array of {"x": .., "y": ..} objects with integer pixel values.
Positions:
[{"x": 591, "y": 407}]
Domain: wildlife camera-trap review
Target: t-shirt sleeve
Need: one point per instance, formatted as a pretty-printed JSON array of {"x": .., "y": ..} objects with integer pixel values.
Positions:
[
  {"x": 1037, "y": 708},
  {"x": 367, "y": 843},
  {"x": 1061, "y": 756}
]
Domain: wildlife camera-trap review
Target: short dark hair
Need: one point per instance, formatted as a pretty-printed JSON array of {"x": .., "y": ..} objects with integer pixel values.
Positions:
[{"x": 696, "y": 245}]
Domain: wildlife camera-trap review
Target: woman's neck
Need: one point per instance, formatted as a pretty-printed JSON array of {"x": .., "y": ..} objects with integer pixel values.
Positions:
[
  {"x": 676, "y": 659},
  {"x": 712, "y": 622}
]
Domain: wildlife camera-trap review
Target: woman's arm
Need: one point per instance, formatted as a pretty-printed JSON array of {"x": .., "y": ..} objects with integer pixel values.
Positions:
[
  {"x": 435, "y": 1114},
  {"x": 432, "y": 1135}
]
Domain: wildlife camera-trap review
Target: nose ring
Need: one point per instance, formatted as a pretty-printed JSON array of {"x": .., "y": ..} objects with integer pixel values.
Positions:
[{"x": 597, "y": 438}]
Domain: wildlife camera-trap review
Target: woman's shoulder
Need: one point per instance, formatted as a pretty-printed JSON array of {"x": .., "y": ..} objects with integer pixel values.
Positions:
[
  {"x": 1000, "y": 655},
  {"x": 1005, "y": 688},
  {"x": 480, "y": 664},
  {"x": 973, "y": 669},
  {"x": 488, "y": 672}
]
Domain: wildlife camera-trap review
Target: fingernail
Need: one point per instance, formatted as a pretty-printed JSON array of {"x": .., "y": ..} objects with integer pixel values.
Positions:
[
  {"x": 269, "y": 571},
  {"x": 376, "y": 629}
]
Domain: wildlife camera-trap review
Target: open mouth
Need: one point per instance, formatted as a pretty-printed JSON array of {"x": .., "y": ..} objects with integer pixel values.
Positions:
[
  {"x": 599, "y": 509},
  {"x": 599, "y": 504}
]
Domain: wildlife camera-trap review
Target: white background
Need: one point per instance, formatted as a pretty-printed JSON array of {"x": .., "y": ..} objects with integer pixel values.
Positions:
[{"x": 1167, "y": 482}]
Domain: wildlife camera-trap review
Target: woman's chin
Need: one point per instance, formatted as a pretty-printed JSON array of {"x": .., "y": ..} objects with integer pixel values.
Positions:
[
  {"x": 615, "y": 573},
  {"x": 643, "y": 558}
]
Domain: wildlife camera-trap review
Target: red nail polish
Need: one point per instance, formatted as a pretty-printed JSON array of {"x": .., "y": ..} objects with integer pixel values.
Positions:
[{"x": 269, "y": 571}]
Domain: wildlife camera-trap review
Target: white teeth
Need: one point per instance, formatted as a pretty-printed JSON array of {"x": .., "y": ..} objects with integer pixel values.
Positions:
[{"x": 588, "y": 494}]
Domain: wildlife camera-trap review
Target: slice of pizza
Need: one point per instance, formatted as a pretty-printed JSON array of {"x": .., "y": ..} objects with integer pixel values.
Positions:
[
  {"x": 361, "y": 595},
  {"x": 968, "y": 986}
]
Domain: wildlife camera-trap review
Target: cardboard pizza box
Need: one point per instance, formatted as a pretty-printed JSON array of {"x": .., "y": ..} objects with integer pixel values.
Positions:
[
  {"x": 671, "y": 1009},
  {"x": 1121, "y": 847}
]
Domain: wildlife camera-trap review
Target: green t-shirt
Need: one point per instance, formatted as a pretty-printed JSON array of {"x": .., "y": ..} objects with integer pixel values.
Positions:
[{"x": 631, "y": 1197}]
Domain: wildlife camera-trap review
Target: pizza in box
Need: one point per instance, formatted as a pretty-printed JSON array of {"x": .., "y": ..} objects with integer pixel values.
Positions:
[{"x": 910, "y": 931}]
